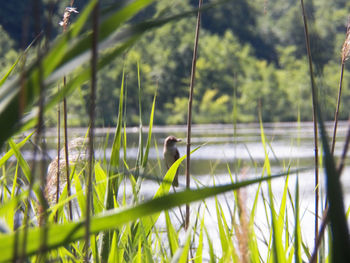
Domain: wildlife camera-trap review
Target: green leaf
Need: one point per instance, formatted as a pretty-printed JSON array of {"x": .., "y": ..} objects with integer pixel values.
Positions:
[
  {"x": 11, "y": 151},
  {"x": 172, "y": 235},
  {"x": 59, "y": 235},
  {"x": 64, "y": 58},
  {"x": 199, "y": 252}
]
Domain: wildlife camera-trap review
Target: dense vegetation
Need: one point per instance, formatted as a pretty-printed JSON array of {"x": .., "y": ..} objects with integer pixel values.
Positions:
[
  {"x": 250, "y": 59},
  {"x": 250, "y": 52}
]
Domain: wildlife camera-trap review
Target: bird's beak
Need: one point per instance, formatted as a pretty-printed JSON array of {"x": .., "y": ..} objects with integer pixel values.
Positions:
[{"x": 179, "y": 140}]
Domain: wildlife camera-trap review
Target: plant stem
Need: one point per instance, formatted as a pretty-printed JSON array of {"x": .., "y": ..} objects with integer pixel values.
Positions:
[
  {"x": 337, "y": 109},
  {"x": 65, "y": 25},
  {"x": 94, "y": 58},
  {"x": 189, "y": 116},
  {"x": 66, "y": 154},
  {"x": 58, "y": 155},
  {"x": 325, "y": 217},
  {"x": 314, "y": 107}
]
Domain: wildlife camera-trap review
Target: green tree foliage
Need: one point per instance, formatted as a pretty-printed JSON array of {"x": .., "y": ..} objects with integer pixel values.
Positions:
[
  {"x": 253, "y": 50},
  {"x": 8, "y": 55}
]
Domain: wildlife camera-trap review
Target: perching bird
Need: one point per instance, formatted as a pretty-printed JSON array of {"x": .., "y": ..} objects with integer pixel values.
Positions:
[{"x": 171, "y": 154}]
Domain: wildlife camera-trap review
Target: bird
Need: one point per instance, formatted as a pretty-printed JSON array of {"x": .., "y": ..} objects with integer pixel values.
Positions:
[{"x": 171, "y": 154}]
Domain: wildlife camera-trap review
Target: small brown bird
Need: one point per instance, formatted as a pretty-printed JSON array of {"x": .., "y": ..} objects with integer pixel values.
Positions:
[{"x": 171, "y": 154}]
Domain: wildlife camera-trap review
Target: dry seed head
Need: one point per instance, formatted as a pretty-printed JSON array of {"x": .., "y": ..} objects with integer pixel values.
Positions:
[
  {"x": 66, "y": 15},
  {"x": 346, "y": 46}
]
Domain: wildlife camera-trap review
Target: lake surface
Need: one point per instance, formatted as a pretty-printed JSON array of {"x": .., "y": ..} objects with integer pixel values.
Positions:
[{"x": 240, "y": 149}]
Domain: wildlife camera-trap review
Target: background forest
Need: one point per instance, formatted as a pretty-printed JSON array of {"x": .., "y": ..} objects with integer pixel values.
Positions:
[{"x": 251, "y": 52}]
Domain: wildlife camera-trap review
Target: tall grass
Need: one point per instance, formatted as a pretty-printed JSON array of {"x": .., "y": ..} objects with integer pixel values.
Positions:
[
  {"x": 189, "y": 111},
  {"x": 105, "y": 223},
  {"x": 314, "y": 95}
]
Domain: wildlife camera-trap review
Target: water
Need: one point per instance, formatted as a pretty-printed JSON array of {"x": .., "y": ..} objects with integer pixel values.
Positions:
[{"x": 241, "y": 150}]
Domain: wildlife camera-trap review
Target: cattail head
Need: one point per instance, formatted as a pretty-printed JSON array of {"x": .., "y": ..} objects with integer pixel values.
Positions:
[
  {"x": 66, "y": 15},
  {"x": 346, "y": 46}
]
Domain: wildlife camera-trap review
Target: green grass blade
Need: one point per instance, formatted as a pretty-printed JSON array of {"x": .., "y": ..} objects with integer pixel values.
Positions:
[
  {"x": 297, "y": 234},
  {"x": 59, "y": 235},
  {"x": 278, "y": 251},
  {"x": 22, "y": 162},
  {"x": 252, "y": 241},
  {"x": 172, "y": 235},
  {"x": 4, "y": 78},
  {"x": 11, "y": 151},
  {"x": 149, "y": 139},
  {"x": 113, "y": 183},
  {"x": 222, "y": 233},
  {"x": 199, "y": 252},
  {"x": 184, "y": 250},
  {"x": 63, "y": 59},
  {"x": 210, "y": 245}
]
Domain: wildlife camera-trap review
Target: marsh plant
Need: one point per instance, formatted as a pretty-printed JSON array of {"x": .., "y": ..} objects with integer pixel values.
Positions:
[{"x": 79, "y": 207}]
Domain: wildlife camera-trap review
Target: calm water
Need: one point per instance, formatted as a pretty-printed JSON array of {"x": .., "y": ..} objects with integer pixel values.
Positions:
[{"x": 239, "y": 149}]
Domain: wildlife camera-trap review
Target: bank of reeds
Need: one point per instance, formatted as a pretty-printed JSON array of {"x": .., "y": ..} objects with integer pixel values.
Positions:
[{"x": 109, "y": 225}]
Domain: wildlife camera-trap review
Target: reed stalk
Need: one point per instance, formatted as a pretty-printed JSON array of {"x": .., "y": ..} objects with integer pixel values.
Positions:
[
  {"x": 325, "y": 217},
  {"x": 58, "y": 154},
  {"x": 94, "y": 60},
  {"x": 314, "y": 108},
  {"x": 64, "y": 24},
  {"x": 189, "y": 116},
  {"x": 39, "y": 139},
  {"x": 344, "y": 57},
  {"x": 66, "y": 154}
]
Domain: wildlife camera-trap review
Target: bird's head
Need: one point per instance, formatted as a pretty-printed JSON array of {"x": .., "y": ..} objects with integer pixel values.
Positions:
[{"x": 171, "y": 141}]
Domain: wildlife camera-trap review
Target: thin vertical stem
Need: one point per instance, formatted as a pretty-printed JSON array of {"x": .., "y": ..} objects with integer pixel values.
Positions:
[
  {"x": 58, "y": 155},
  {"x": 336, "y": 115},
  {"x": 325, "y": 216},
  {"x": 65, "y": 22},
  {"x": 189, "y": 116},
  {"x": 66, "y": 154},
  {"x": 94, "y": 58},
  {"x": 314, "y": 107},
  {"x": 344, "y": 57},
  {"x": 39, "y": 138}
]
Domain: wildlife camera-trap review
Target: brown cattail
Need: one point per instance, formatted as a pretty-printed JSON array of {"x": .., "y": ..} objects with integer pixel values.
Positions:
[
  {"x": 346, "y": 46},
  {"x": 66, "y": 15}
]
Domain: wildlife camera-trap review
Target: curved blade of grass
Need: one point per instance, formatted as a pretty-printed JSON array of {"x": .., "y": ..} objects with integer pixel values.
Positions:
[
  {"x": 149, "y": 139},
  {"x": 2, "y": 81},
  {"x": 172, "y": 235},
  {"x": 11, "y": 152},
  {"x": 183, "y": 250},
  {"x": 120, "y": 43},
  {"x": 164, "y": 188},
  {"x": 297, "y": 234},
  {"x": 63, "y": 59},
  {"x": 199, "y": 252},
  {"x": 116, "y": 146},
  {"x": 222, "y": 233},
  {"x": 252, "y": 241},
  {"x": 210, "y": 245},
  {"x": 112, "y": 185},
  {"x": 59, "y": 235},
  {"x": 22, "y": 162},
  {"x": 140, "y": 146},
  {"x": 23, "y": 54},
  {"x": 278, "y": 251}
]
